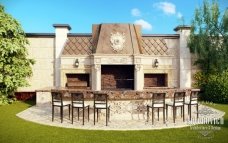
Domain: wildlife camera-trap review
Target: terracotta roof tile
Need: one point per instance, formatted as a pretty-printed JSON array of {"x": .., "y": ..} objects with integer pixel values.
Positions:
[
  {"x": 81, "y": 45},
  {"x": 154, "y": 46}
]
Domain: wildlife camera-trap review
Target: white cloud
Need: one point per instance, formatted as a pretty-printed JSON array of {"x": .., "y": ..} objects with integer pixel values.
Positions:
[
  {"x": 179, "y": 15},
  {"x": 167, "y": 7},
  {"x": 145, "y": 25},
  {"x": 135, "y": 12}
]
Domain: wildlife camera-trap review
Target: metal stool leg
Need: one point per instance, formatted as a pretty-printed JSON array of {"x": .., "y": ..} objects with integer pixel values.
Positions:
[
  {"x": 83, "y": 115},
  {"x": 61, "y": 113},
  {"x": 88, "y": 113},
  {"x": 53, "y": 113},
  {"x": 78, "y": 114},
  {"x": 69, "y": 111},
  {"x": 183, "y": 114},
  {"x": 197, "y": 109},
  {"x": 94, "y": 112},
  {"x": 174, "y": 114},
  {"x": 152, "y": 115},
  {"x": 72, "y": 116},
  {"x": 164, "y": 115},
  {"x": 106, "y": 116},
  {"x": 147, "y": 113},
  {"x": 97, "y": 114}
]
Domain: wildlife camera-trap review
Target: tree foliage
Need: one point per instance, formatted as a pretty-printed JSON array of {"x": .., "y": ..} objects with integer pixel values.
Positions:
[
  {"x": 215, "y": 86},
  {"x": 15, "y": 67},
  {"x": 209, "y": 38}
]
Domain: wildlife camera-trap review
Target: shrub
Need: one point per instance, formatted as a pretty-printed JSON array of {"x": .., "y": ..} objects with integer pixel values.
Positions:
[
  {"x": 214, "y": 86},
  {"x": 4, "y": 100}
]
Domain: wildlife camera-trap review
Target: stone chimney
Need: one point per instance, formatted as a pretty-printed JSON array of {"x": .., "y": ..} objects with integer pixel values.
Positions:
[
  {"x": 61, "y": 31},
  {"x": 184, "y": 57}
]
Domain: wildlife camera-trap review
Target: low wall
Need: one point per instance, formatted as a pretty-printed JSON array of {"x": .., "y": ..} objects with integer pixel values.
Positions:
[
  {"x": 44, "y": 95},
  {"x": 130, "y": 104}
]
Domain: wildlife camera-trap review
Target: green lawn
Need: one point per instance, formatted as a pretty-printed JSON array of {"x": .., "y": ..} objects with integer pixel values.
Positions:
[{"x": 16, "y": 130}]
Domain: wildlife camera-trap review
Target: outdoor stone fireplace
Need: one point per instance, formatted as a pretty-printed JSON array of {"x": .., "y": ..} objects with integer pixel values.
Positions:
[
  {"x": 118, "y": 56},
  {"x": 110, "y": 44},
  {"x": 118, "y": 59}
]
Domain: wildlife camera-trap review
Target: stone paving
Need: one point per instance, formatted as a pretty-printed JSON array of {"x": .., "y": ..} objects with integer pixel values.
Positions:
[{"x": 42, "y": 115}]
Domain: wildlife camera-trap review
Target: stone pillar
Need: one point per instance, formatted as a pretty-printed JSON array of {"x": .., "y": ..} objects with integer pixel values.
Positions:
[
  {"x": 96, "y": 77},
  {"x": 184, "y": 57},
  {"x": 43, "y": 97},
  {"x": 61, "y": 31},
  {"x": 139, "y": 77}
]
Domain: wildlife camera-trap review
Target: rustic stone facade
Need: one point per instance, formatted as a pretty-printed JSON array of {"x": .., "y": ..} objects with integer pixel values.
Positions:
[{"x": 110, "y": 45}]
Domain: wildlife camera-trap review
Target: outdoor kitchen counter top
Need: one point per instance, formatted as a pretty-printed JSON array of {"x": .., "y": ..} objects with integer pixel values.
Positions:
[{"x": 118, "y": 94}]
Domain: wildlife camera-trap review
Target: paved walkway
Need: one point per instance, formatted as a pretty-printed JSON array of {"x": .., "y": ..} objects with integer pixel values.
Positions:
[{"x": 42, "y": 115}]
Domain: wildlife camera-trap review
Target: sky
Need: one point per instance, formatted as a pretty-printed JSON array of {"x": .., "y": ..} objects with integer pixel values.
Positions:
[{"x": 155, "y": 16}]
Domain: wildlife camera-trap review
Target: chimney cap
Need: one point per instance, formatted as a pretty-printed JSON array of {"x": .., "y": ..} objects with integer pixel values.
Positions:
[
  {"x": 62, "y": 26},
  {"x": 182, "y": 27}
]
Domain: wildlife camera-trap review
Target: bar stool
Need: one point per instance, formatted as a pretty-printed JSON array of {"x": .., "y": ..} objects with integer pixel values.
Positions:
[
  {"x": 158, "y": 101},
  {"x": 101, "y": 102},
  {"x": 57, "y": 101},
  {"x": 178, "y": 101},
  {"x": 77, "y": 101},
  {"x": 193, "y": 101}
]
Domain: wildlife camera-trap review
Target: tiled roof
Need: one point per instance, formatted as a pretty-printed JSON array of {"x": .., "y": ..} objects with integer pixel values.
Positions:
[
  {"x": 78, "y": 45},
  {"x": 154, "y": 46},
  {"x": 82, "y": 45}
]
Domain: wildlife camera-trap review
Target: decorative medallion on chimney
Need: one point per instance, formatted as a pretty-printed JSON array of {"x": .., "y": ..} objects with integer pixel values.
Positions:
[{"x": 117, "y": 41}]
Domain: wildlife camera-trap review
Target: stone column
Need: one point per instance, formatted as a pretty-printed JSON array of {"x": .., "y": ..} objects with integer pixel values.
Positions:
[
  {"x": 43, "y": 97},
  {"x": 61, "y": 31},
  {"x": 96, "y": 77},
  {"x": 139, "y": 77},
  {"x": 184, "y": 57}
]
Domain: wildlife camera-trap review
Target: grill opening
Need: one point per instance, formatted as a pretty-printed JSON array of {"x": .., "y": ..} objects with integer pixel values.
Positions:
[
  {"x": 117, "y": 77},
  {"x": 78, "y": 81},
  {"x": 155, "y": 80}
]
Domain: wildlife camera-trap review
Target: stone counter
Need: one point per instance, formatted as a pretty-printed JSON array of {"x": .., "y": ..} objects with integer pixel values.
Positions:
[
  {"x": 129, "y": 104},
  {"x": 44, "y": 95}
]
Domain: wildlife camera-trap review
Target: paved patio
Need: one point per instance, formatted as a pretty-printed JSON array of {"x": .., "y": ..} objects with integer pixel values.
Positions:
[{"x": 42, "y": 115}]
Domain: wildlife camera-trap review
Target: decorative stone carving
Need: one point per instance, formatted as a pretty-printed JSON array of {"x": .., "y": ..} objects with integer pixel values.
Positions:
[
  {"x": 117, "y": 41},
  {"x": 138, "y": 67},
  {"x": 138, "y": 60},
  {"x": 97, "y": 67},
  {"x": 117, "y": 60},
  {"x": 128, "y": 107},
  {"x": 97, "y": 60}
]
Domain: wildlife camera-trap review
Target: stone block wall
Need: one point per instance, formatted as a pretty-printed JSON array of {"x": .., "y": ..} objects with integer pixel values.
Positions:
[{"x": 41, "y": 49}]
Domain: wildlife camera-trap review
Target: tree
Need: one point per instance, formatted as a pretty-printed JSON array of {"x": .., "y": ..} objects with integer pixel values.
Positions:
[
  {"x": 15, "y": 67},
  {"x": 209, "y": 38}
]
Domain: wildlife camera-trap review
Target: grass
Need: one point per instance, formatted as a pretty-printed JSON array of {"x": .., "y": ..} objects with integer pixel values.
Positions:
[{"x": 16, "y": 130}]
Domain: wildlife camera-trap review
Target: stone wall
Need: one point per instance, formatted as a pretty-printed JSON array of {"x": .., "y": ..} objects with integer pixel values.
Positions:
[
  {"x": 194, "y": 68},
  {"x": 41, "y": 49},
  {"x": 168, "y": 63}
]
